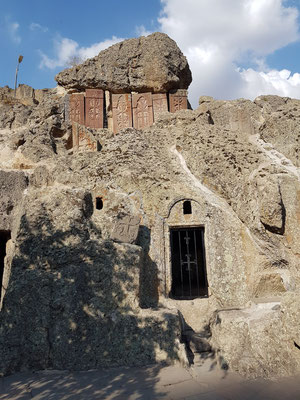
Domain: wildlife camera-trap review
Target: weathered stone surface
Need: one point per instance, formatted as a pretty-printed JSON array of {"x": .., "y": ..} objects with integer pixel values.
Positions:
[
  {"x": 205, "y": 99},
  {"x": 241, "y": 176},
  {"x": 160, "y": 104},
  {"x": 77, "y": 296},
  {"x": 122, "y": 112},
  {"x": 142, "y": 110},
  {"x": 178, "y": 100},
  {"x": 272, "y": 211},
  {"x": 12, "y": 186},
  {"x": 94, "y": 108},
  {"x": 153, "y": 63},
  {"x": 76, "y": 108},
  {"x": 260, "y": 341},
  {"x": 25, "y": 94},
  {"x": 83, "y": 139},
  {"x": 126, "y": 229}
]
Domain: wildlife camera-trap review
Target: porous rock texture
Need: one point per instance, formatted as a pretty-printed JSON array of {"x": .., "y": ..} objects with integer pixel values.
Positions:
[
  {"x": 145, "y": 64},
  {"x": 72, "y": 298}
]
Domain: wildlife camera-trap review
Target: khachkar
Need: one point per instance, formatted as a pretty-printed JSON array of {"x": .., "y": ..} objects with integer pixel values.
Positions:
[
  {"x": 87, "y": 108},
  {"x": 76, "y": 108},
  {"x": 160, "y": 104},
  {"x": 142, "y": 110},
  {"x": 83, "y": 139},
  {"x": 122, "y": 111},
  {"x": 137, "y": 110},
  {"x": 178, "y": 100},
  {"x": 94, "y": 108}
]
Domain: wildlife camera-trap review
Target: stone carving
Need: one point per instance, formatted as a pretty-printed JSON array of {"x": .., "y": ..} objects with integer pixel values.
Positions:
[
  {"x": 126, "y": 229},
  {"x": 77, "y": 108},
  {"x": 94, "y": 108},
  {"x": 122, "y": 113},
  {"x": 83, "y": 140},
  {"x": 178, "y": 100},
  {"x": 142, "y": 110},
  {"x": 160, "y": 104}
]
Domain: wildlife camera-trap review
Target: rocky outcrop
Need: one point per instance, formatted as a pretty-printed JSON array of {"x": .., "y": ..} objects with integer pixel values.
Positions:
[
  {"x": 146, "y": 64},
  {"x": 12, "y": 186},
  {"x": 262, "y": 340},
  {"x": 76, "y": 295},
  {"x": 243, "y": 190}
]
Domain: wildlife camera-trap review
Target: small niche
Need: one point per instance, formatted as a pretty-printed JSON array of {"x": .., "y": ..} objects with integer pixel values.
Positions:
[
  {"x": 99, "y": 203},
  {"x": 187, "y": 207}
]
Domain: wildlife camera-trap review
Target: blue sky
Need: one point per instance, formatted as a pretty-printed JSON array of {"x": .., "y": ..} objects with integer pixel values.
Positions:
[{"x": 235, "y": 48}]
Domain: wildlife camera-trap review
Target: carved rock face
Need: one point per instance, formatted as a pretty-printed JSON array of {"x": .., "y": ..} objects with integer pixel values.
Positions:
[{"x": 153, "y": 63}]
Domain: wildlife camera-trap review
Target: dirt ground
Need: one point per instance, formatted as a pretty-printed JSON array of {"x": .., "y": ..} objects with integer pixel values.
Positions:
[{"x": 203, "y": 381}]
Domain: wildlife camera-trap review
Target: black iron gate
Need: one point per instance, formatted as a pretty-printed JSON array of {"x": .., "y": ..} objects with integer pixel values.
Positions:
[{"x": 188, "y": 263}]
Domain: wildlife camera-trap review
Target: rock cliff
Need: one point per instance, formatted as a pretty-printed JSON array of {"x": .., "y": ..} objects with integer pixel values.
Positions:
[{"x": 75, "y": 298}]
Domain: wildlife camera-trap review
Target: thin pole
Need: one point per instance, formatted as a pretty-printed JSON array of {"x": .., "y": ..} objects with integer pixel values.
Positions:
[{"x": 17, "y": 70}]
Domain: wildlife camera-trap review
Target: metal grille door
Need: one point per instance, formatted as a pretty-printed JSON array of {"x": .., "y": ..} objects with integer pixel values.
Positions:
[{"x": 188, "y": 263}]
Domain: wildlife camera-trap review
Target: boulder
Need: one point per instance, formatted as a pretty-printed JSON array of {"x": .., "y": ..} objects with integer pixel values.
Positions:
[
  {"x": 146, "y": 64},
  {"x": 262, "y": 340}
]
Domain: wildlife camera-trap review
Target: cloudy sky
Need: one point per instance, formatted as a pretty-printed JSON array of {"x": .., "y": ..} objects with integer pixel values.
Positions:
[{"x": 235, "y": 48}]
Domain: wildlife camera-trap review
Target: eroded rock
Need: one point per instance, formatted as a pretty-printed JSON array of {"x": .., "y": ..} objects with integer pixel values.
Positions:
[
  {"x": 153, "y": 63},
  {"x": 225, "y": 175}
]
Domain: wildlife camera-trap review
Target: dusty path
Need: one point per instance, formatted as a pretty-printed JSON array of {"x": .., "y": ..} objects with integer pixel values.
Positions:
[{"x": 205, "y": 382}]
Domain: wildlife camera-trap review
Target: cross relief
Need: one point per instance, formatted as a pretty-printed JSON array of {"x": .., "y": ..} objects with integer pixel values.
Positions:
[{"x": 137, "y": 110}]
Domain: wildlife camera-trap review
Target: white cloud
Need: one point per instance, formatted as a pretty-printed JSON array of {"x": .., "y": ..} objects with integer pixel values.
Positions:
[
  {"x": 94, "y": 49},
  {"x": 35, "y": 26},
  {"x": 65, "y": 49},
  {"x": 142, "y": 31},
  {"x": 282, "y": 83},
  {"x": 217, "y": 35},
  {"x": 12, "y": 29}
]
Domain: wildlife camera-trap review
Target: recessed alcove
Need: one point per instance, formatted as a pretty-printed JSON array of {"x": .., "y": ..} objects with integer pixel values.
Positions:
[
  {"x": 99, "y": 203},
  {"x": 187, "y": 207}
]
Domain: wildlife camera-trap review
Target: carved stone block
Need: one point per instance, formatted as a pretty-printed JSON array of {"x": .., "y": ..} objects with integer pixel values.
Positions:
[
  {"x": 83, "y": 140},
  {"x": 142, "y": 110},
  {"x": 122, "y": 112},
  {"x": 76, "y": 109},
  {"x": 94, "y": 108},
  {"x": 160, "y": 104},
  {"x": 126, "y": 229},
  {"x": 178, "y": 100}
]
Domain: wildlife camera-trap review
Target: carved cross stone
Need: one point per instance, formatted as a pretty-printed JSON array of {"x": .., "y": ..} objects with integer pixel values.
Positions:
[
  {"x": 83, "y": 140},
  {"x": 122, "y": 113},
  {"x": 94, "y": 108},
  {"x": 178, "y": 100},
  {"x": 76, "y": 111},
  {"x": 160, "y": 104},
  {"x": 142, "y": 110},
  {"x": 126, "y": 229}
]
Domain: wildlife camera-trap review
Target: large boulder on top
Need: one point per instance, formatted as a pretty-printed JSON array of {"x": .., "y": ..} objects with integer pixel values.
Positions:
[{"x": 153, "y": 63}]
